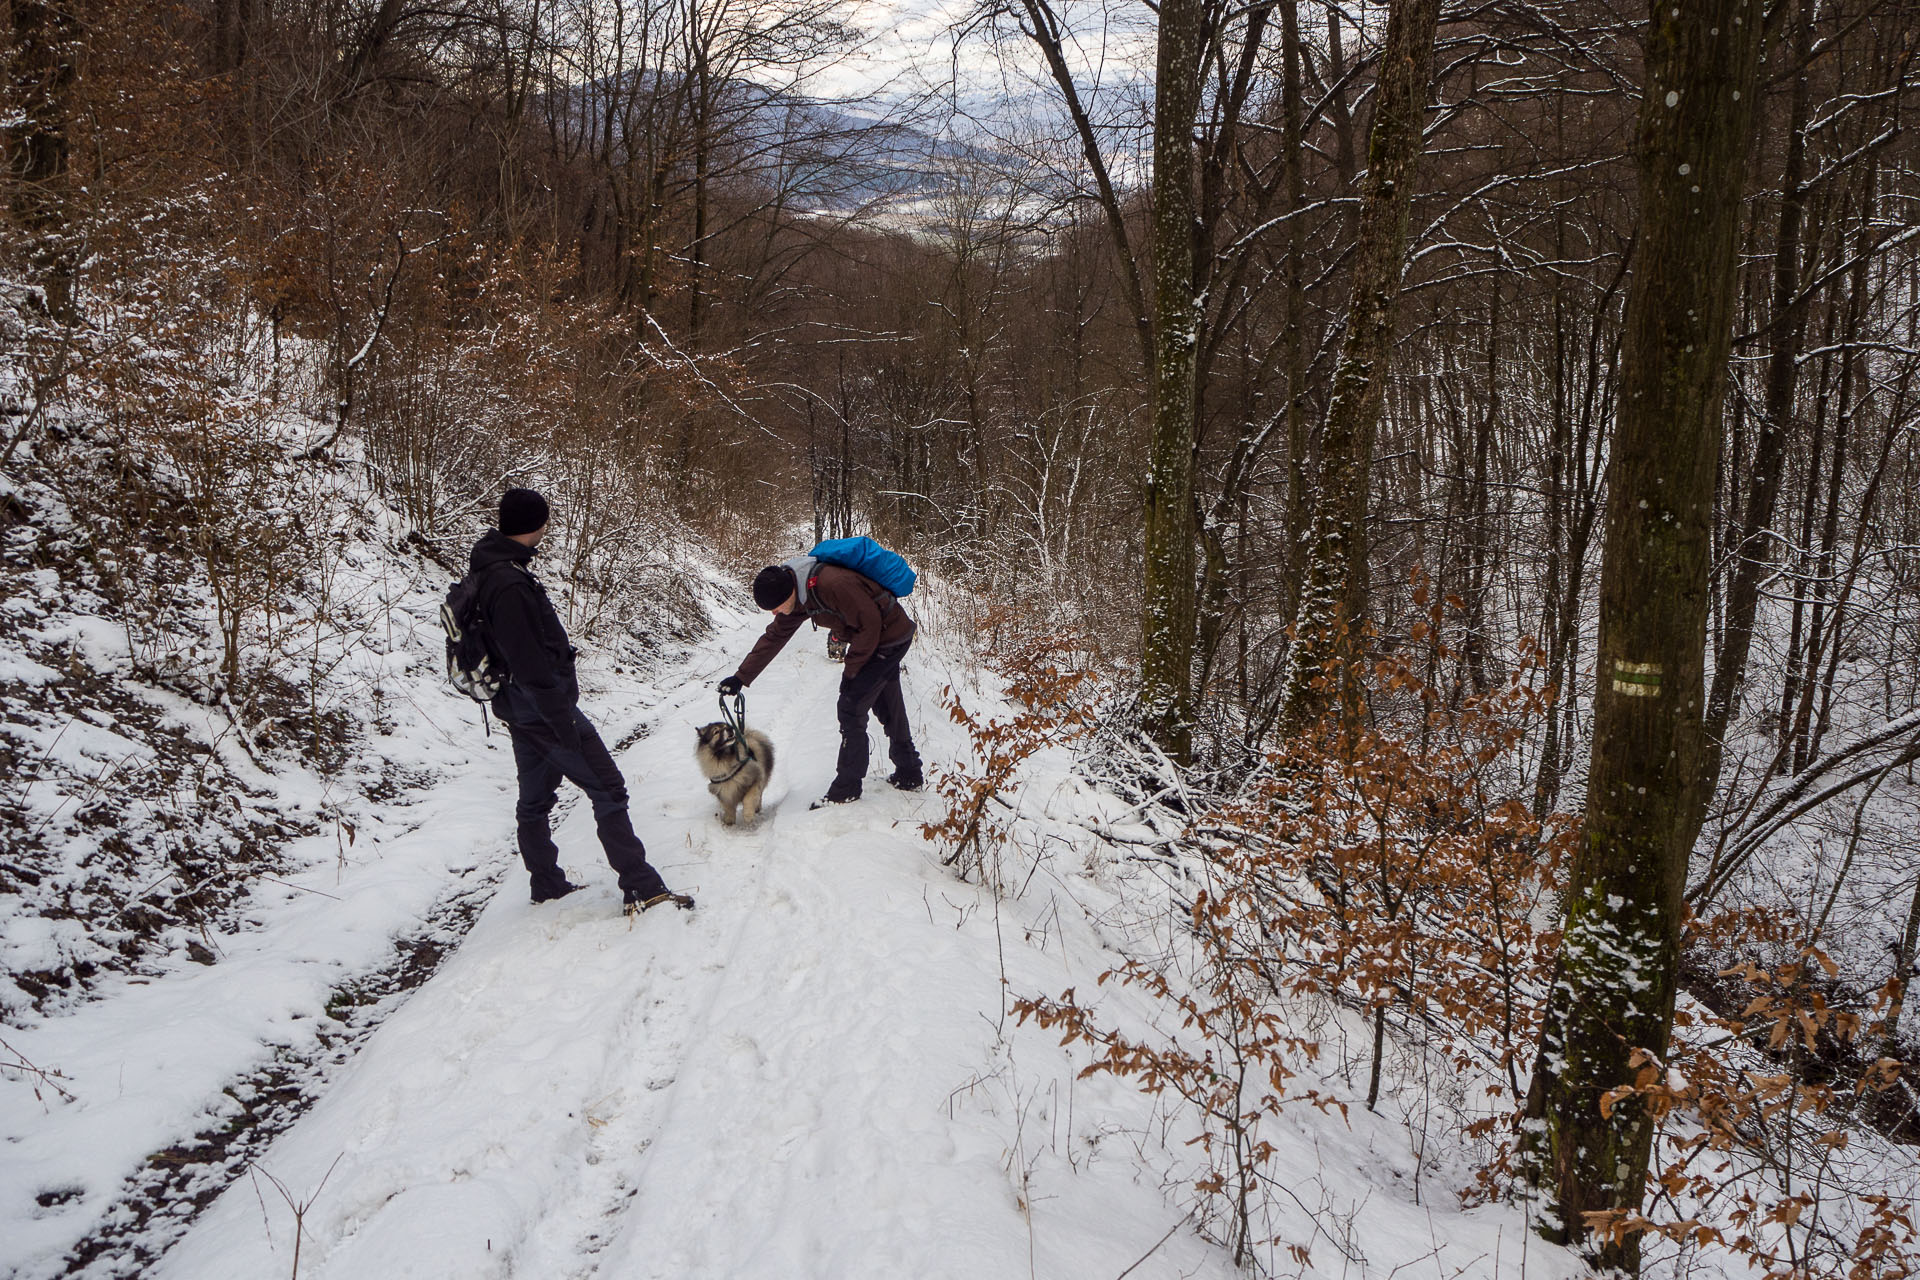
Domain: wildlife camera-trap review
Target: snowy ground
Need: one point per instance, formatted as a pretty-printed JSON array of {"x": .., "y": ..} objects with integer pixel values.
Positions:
[{"x": 811, "y": 1076}]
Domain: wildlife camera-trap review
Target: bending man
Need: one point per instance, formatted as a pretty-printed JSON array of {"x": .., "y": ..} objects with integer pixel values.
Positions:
[{"x": 877, "y": 631}]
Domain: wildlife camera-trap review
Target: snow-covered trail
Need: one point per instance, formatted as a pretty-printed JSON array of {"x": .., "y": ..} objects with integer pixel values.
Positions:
[
  {"x": 798, "y": 1079},
  {"x": 813, "y": 1075}
]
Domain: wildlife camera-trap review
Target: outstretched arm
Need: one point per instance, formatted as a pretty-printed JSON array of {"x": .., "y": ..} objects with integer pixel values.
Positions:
[{"x": 771, "y": 642}]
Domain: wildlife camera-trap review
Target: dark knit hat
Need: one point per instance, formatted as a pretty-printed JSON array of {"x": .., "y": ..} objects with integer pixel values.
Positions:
[
  {"x": 772, "y": 585},
  {"x": 522, "y": 511}
]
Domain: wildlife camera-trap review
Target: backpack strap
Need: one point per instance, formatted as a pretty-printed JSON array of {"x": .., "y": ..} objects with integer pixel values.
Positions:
[
  {"x": 496, "y": 578},
  {"x": 487, "y": 586}
]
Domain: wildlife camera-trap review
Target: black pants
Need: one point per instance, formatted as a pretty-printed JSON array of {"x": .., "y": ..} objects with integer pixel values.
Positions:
[
  {"x": 542, "y": 762},
  {"x": 874, "y": 688}
]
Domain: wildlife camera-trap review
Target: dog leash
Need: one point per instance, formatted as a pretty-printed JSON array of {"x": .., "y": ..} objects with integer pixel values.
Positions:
[{"x": 736, "y": 718}]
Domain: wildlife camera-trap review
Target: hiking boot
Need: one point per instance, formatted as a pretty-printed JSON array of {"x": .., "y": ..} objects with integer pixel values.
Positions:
[
  {"x": 550, "y": 895},
  {"x": 824, "y": 801},
  {"x": 636, "y": 903},
  {"x": 905, "y": 782}
]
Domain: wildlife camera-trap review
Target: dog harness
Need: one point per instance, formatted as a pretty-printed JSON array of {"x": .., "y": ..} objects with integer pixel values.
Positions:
[{"x": 729, "y": 777}]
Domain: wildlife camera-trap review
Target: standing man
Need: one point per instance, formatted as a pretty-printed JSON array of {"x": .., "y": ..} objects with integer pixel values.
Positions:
[
  {"x": 551, "y": 738},
  {"x": 877, "y": 633}
]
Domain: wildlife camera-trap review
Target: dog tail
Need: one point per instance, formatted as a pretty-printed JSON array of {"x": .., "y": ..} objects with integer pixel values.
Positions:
[{"x": 763, "y": 749}]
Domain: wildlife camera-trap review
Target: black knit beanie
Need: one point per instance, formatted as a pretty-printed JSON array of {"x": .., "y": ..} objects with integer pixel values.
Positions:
[
  {"x": 772, "y": 585},
  {"x": 522, "y": 511}
]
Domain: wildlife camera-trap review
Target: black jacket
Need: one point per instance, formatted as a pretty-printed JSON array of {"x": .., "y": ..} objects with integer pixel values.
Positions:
[{"x": 526, "y": 634}]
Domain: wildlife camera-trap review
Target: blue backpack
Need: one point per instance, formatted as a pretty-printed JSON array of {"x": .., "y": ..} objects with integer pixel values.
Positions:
[{"x": 870, "y": 560}]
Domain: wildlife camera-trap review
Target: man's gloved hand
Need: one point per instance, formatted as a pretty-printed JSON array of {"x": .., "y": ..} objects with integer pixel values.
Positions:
[{"x": 730, "y": 687}]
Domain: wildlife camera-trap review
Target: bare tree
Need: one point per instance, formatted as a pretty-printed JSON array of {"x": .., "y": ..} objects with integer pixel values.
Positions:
[
  {"x": 41, "y": 68},
  {"x": 1332, "y": 595}
]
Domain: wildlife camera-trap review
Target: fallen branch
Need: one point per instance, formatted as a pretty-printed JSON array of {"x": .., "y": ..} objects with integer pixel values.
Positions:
[
  {"x": 1808, "y": 791},
  {"x": 45, "y": 1075}
]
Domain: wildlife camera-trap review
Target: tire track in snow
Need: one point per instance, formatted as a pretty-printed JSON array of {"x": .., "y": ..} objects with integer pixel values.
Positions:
[
  {"x": 638, "y": 1088},
  {"x": 735, "y": 907}
]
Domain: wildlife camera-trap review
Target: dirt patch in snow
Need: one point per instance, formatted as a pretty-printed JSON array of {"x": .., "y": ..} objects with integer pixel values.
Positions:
[{"x": 159, "y": 1202}]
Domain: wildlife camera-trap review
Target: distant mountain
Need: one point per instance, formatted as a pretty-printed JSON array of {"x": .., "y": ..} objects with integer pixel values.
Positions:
[{"x": 830, "y": 159}]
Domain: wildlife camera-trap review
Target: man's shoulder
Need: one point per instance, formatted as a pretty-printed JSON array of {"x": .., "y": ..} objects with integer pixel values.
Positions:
[
  {"x": 501, "y": 570},
  {"x": 837, "y": 577},
  {"x": 825, "y": 571},
  {"x": 500, "y": 578}
]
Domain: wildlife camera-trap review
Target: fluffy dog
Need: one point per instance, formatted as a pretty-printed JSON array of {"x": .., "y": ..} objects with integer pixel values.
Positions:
[{"x": 735, "y": 777}]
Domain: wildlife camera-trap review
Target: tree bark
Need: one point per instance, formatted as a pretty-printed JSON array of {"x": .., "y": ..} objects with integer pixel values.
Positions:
[
  {"x": 232, "y": 34},
  {"x": 702, "y": 102},
  {"x": 1902, "y": 976},
  {"x": 1788, "y": 321},
  {"x": 1292, "y": 138},
  {"x": 1614, "y": 989},
  {"x": 1043, "y": 27},
  {"x": 1331, "y": 592},
  {"x": 1167, "y": 645},
  {"x": 44, "y": 68},
  {"x": 1826, "y": 623},
  {"x": 1479, "y": 515}
]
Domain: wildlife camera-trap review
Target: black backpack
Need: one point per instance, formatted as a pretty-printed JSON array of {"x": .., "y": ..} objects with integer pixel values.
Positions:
[{"x": 472, "y": 666}]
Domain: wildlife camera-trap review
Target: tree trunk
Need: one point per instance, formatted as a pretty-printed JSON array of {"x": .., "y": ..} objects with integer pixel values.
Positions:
[
  {"x": 1902, "y": 976},
  {"x": 1294, "y": 338},
  {"x": 1557, "y": 602},
  {"x": 1826, "y": 625},
  {"x": 232, "y": 34},
  {"x": 1614, "y": 989},
  {"x": 1340, "y": 114},
  {"x": 1048, "y": 34},
  {"x": 1787, "y": 320},
  {"x": 702, "y": 96},
  {"x": 1892, "y": 1107},
  {"x": 1166, "y": 651},
  {"x": 1331, "y": 590},
  {"x": 1479, "y": 513},
  {"x": 1575, "y": 451},
  {"x": 44, "y": 67}
]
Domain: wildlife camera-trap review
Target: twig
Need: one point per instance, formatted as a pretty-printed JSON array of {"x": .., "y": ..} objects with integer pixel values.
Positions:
[
  {"x": 299, "y": 1207},
  {"x": 51, "y": 1077},
  {"x": 1156, "y": 1248},
  {"x": 302, "y": 888}
]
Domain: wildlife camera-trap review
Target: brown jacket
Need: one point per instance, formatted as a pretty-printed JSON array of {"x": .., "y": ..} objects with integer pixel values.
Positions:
[{"x": 860, "y": 612}]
